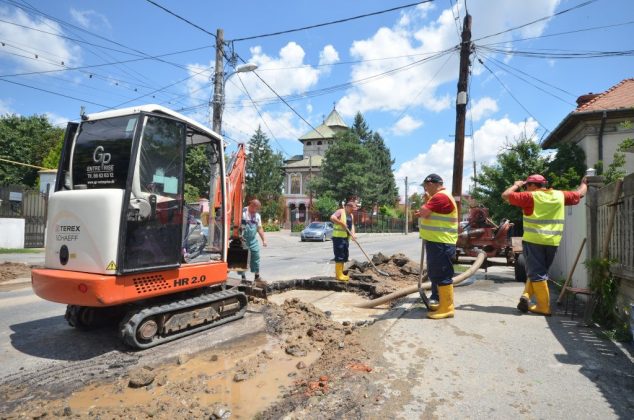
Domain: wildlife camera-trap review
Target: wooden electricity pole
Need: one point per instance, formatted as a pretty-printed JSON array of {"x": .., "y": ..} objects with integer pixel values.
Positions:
[
  {"x": 219, "y": 76},
  {"x": 461, "y": 111}
]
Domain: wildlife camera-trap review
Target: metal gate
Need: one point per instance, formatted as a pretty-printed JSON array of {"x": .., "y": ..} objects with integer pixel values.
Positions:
[{"x": 30, "y": 205}]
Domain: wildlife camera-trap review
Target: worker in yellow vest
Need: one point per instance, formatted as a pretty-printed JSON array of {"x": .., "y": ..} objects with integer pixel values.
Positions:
[
  {"x": 343, "y": 222},
  {"x": 438, "y": 226},
  {"x": 543, "y": 210}
]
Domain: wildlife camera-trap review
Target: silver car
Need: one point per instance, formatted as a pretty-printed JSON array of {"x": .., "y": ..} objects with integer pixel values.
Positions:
[{"x": 317, "y": 231}]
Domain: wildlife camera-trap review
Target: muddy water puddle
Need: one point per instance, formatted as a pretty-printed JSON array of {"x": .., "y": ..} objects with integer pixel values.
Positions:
[
  {"x": 244, "y": 378},
  {"x": 340, "y": 304}
]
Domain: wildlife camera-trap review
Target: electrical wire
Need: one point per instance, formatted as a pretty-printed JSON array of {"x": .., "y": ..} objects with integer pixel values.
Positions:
[
  {"x": 181, "y": 18},
  {"x": 513, "y": 96},
  {"x": 537, "y": 20},
  {"x": 261, "y": 116},
  {"x": 53, "y": 93},
  {"x": 319, "y": 25}
]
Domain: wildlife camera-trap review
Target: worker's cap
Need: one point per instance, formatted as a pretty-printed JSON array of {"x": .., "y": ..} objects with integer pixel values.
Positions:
[
  {"x": 536, "y": 179},
  {"x": 435, "y": 178}
]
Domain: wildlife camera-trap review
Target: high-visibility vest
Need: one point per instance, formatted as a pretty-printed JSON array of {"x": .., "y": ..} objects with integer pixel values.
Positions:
[
  {"x": 546, "y": 225},
  {"x": 438, "y": 227},
  {"x": 338, "y": 230}
]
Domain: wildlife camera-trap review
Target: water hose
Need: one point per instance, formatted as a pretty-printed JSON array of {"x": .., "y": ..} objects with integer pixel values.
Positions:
[{"x": 427, "y": 285}]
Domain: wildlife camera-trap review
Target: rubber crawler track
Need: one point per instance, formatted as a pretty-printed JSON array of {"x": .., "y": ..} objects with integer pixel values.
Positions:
[{"x": 134, "y": 318}]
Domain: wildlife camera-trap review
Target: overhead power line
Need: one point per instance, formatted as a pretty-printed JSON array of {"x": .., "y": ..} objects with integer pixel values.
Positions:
[
  {"x": 181, "y": 18},
  {"x": 53, "y": 93},
  {"x": 329, "y": 23},
  {"x": 537, "y": 20}
]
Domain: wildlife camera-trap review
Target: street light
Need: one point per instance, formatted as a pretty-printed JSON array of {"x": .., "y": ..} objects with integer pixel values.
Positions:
[{"x": 219, "y": 95}]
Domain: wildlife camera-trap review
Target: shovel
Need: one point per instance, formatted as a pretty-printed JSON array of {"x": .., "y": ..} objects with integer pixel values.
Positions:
[
  {"x": 383, "y": 273},
  {"x": 421, "y": 292}
]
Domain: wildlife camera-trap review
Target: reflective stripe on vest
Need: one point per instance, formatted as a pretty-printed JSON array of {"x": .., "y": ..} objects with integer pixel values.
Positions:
[
  {"x": 338, "y": 231},
  {"x": 442, "y": 228},
  {"x": 546, "y": 225}
]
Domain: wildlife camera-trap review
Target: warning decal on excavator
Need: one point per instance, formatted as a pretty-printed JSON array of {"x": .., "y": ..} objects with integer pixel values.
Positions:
[{"x": 111, "y": 266}]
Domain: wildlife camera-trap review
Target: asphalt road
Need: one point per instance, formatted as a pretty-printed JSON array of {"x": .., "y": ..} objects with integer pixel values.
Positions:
[{"x": 487, "y": 362}]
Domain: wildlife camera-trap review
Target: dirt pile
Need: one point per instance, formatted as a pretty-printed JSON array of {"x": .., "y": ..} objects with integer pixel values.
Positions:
[
  {"x": 402, "y": 271},
  {"x": 11, "y": 271}
]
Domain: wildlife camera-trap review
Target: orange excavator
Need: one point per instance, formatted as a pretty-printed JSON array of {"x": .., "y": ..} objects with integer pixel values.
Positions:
[{"x": 117, "y": 228}]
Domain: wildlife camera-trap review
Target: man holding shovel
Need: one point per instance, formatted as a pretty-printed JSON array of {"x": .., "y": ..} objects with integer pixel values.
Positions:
[
  {"x": 438, "y": 227},
  {"x": 343, "y": 222}
]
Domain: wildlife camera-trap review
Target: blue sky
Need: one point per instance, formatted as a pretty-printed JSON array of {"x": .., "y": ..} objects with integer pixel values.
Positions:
[{"x": 390, "y": 67}]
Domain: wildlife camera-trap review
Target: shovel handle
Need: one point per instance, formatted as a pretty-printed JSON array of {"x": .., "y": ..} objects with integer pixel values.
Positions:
[{"x": 366, "y": 255}]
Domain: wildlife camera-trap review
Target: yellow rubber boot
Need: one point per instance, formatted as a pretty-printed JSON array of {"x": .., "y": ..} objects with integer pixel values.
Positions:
[
  {"x": 339, "y": 272},
  {"x": 542, "y": 298},
  {"x": 445, "y": 308},
  {"x": 525, "y": 299}
]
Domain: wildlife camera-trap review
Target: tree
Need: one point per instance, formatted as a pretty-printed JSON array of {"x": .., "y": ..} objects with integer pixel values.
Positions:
[
  {"x": 383, "y": 189},
  {"x": 567, "y": 168},
  {"x": 265, "y": 175},
  {"x": 25, "y": 140},
  {"x": 616, "y": 169},
  {"x": 415, "y": 201},
  {"x": 198, "y": 162},
  {"x": 344, "y": 169},
  {"x": 325, "y": 206},
  {"x": 360, "y": 128},
  {"x": 516, "y": 161}
]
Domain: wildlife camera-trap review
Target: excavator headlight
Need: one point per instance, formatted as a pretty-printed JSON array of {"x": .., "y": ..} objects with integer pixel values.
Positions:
[{"x": 82, "y": 287}]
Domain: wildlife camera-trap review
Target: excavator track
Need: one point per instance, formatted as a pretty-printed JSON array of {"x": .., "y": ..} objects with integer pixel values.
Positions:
[{"x": 145, "y": 327}]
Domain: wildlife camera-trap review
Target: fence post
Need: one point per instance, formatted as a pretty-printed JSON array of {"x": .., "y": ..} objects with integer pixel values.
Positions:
[{"x": 592, "y": 202}]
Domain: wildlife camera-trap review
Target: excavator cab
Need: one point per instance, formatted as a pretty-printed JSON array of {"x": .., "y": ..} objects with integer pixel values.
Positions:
[{"x": 118, "y": 231}]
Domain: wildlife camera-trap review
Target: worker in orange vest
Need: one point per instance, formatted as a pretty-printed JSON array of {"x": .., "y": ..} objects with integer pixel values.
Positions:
[{"x": 543, "y": 210}]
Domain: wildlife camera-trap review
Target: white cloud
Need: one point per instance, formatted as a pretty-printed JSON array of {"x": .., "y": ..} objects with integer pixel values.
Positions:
[
  {"x": 56, "y": 119},
  {"x": 489, "y": 141},
  {"x": 483, "y": 107},
  {"x": 405, "y": 125},
  {"x": 5, "y": 107},
  {"x": 89, "y": 18},
  {"x": 328, "y": 55},
  {"x": 413, "y": 35},
  {"x": 50, "y": 49}
]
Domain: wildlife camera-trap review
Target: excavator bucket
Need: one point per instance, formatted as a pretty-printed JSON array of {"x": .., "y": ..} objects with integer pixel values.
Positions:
[{"x": 238, "y": 255}]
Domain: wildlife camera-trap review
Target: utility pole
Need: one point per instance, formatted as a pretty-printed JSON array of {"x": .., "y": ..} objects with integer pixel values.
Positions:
[
  {"x": 461, "y": 111},
  {"x": 406, "y": 207},
  {"x": 218, "y": 82},
  {"x": 217, "y": 104}
]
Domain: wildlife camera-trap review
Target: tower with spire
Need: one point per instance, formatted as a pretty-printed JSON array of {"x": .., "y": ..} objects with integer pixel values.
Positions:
[{"x": 299, "y": 169}]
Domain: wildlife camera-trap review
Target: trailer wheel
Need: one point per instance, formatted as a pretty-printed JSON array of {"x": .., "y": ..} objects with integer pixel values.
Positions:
[{"x": 520, "y": 268}]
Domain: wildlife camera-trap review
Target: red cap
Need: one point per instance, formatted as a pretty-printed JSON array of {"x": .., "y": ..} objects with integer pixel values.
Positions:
[{"x": 536, "y": 179}]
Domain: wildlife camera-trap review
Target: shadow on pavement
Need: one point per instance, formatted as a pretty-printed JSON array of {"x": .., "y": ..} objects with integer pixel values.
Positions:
[
  {"x": 608, "y": 365},
  {"x": 52, "y": 338}
]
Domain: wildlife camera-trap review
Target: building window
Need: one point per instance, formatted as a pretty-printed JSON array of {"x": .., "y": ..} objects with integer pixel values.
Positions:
[
  {"x": 308, "y": 143},
  {"x": 319, "y": 143},
  {"x": 296, "y": 184}
]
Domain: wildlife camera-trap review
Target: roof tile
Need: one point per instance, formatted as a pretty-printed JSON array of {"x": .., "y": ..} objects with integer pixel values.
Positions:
[{"x": 618, "y": 96}]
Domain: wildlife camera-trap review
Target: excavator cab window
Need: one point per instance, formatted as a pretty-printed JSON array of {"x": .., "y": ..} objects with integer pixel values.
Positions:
[
  {"x": 63, "y": 180},
  {"x": 154, "y": 226}
]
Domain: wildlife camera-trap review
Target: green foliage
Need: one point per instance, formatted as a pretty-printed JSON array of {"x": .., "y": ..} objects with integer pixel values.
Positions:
[
  {"x": 359, "y": 165},
  {"x": 415, "y": 201},
  {"x": 516, "y": 161},
  {"x": 264, "y": 173},
  {"x": 606, "y": 288},
  {"x": 390, "y": 212},
  {"x": 567, "y": 168},
  {"x": 271, "y": 227},
  {"x": 325, "y": 206},
  {"x": 197, "y": 170},
  {"x": 51, "y": 160},
  {"x": 270, "y": 210},
  {"x": 616, "y": 169},
  {"x": 343, "y": 172},
  {"x": 297, "y": 227},
  {"x": 191, "y": 194},
  {"x": 26, "y": 140}
]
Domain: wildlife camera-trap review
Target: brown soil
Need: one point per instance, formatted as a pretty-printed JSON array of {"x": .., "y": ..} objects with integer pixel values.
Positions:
[
  {"x": 11, "y": 271},
  {"x": 305, "y": 366}
]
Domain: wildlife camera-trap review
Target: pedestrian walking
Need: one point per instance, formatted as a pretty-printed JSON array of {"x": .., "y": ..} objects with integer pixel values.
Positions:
[
  {"x": 543, "y": 215},
  {"x": 438, "y": 227},
  {"x": 251, "y": 228},
  {"x": 343, "y": 229}
]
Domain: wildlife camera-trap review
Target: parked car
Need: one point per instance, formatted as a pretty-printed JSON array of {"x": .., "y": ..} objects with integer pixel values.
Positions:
[{"x": 317, "y": 231}]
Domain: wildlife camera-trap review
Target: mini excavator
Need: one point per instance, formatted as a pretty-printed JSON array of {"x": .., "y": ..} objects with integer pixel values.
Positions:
[{"x": 117, "y": 228}]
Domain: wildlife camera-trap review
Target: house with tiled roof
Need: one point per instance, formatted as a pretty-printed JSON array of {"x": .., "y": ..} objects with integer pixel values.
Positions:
[
  {"x": 598, "y": 126},
  {"x": 299, "y": 169}
]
